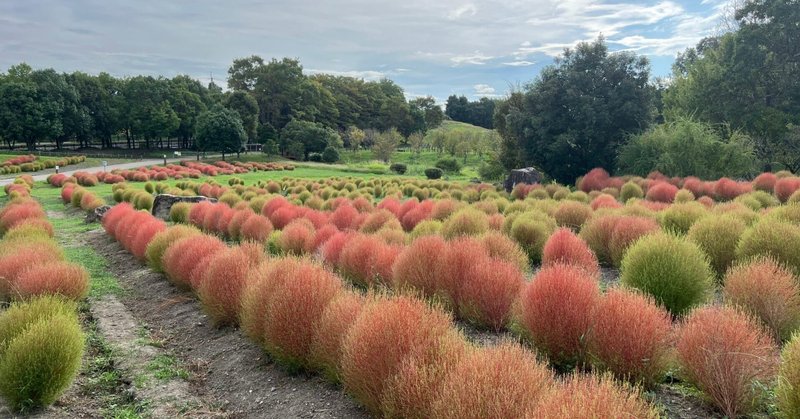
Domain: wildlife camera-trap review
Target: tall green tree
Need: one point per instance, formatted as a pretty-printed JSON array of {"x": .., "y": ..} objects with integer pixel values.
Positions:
[
  {"x": 220, "y": 129},
  {"x": 307, "y": 137},
  {"x": 385, "y": 144},
  {"x": 432, "y": 115},
  {"x": 580, "y": 110},
  {"x": 247, "y": 107}
]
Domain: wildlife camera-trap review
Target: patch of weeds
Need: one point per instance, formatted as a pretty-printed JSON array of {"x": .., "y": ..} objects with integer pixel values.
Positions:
[{"x": 166, "y": 367}]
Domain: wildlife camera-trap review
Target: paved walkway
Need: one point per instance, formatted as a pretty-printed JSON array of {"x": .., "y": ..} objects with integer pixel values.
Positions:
[{"x": 110, "y": 167}]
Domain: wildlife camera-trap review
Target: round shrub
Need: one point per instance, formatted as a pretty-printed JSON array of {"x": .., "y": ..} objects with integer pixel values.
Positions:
[
  {"x": 143, "y": 235},
  {"x": 488, "y": 293},
  {"x": 531, "y": 232},
  {"x": 398, "y": 168},
  {"x": 330, "y": 155},
  {"x": 15, "y": 261},
  {"x": 679, "y": 218},
  {"x": 433, "y": 173},
  {"x": 237, "y": 220},
  {"x": 294, "y": 312},
  {"x": 572, "y": 214},
  {"x": 626, "y": 231},
  {"x": 453, "y": 268},
  {"x": 718, "y": 236},
  {"x": 556, "y": 309},
  {"x": 591, "y": 396},
  {"x": 630, "y": 336},
  {"x": 179, "y": 212},
  {"x": 259, "y": 288},
  {"x": 768, "y": 291},
  {"x": 661, "y": 192},
  {"x": 161, "y": 241},
  {"x": 726, "y": 355},
  {"x": 765, "y": 182},
  {"x": 597, "y": 235},
  {"x": 296, "y": 238},
  {"x": 448, "y": 164},
  {"x": 360, "y": 261},
  {"x": 504, "y": 248},
  {"x": 65, "y": 279},
  {"x": 503, "y": 381},
  {"x": 465, "y": 222},
  {"x": 788, "y": 390},
  {"x": 671, "y": 269},
  {"x": 335, "y": 321},
  {"x": 183, "y": 255},
  {"x": 385, "y": 333},
  {"x": 786, "y": 186},
  {"x": 256, "y": 229},
  {"x": 564, "y": 247},
  {"x": 221, "y": 285},
  {"x": 416, "y": 266},
  {"x": 774, "y": 238}
]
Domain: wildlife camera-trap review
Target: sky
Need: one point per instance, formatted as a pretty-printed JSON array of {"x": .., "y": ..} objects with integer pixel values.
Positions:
[{"x": 428, "y": 47}]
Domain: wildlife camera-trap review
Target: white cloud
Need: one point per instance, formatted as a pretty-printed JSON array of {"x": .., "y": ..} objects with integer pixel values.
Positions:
[
  {"x": 476, "y": 58},
  {"x": 369, "y": 75},
  {"x": 521, "y": 63},
  {"x": 484, "y": 89},
  {"x": 467, "y": 10}
]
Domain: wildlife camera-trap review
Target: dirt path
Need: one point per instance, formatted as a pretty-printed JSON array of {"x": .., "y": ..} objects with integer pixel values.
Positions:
[{"x": 225, "y": 367}]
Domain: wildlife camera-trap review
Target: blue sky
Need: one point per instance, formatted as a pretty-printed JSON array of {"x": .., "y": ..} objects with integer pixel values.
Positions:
[{"x": 474, "y": 48}]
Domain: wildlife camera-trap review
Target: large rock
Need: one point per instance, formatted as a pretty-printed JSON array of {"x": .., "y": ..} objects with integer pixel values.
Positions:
[
  {"x": 164, "y": 202},
  {"x": 527, "y": 175},
  {"x": 97, "y": 214}
]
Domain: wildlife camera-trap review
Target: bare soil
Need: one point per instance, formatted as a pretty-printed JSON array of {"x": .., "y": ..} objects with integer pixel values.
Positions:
[{"x": 227, "y": 371}]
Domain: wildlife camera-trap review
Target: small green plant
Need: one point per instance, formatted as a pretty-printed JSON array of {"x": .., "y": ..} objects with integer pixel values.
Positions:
[
  {"x": 165, "y": 367},
  {"x": 433, "y": 173},
  {"x": 330, "y": 155},
  {"x": 449, "y": 165},
  {"x": 398, "y": 168}
]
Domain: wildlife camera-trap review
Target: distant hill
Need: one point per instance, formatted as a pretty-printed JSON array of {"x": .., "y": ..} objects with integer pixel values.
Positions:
[{"x": 450, "y": 126}]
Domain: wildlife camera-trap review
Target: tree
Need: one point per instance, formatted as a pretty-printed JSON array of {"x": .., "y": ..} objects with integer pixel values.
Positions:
[
  {"x": 385, "y": 144},
  {"x": 432, "y": 115},
  {"x": 687, "y": 148},
  {"x": 220, "y": 130},
  {"x": 355, "y": 137},
  {"x": 579, "y": 110},
  {"x": 416, "y": 141},
  {"x": 479, "y": 112},
  {"x": 437, "y": 140},
  {"x": 247, "y": 107},
  {"x": 312, "y": 136}
]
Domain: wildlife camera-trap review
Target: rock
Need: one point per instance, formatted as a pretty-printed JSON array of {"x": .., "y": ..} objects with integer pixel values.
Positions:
[
  {"x": 163, "y": 203},
  {"x": 527, "y": 175},
  {"x": 97, "y": 214}
]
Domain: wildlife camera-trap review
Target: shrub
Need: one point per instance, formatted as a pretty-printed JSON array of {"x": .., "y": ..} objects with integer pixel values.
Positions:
[
  {"x": 330, "y": 155},
  {"x": 398, "y": 168},
  {"x": 385, "y": 333},
  {"x": 488, "y": 293},
  {"x": 725, "y": 354},
  {"x": 256, "y": 229},
  {"x": 112, "y": 218},
  {"x": 630, "y": 190},
  {"x": 531, "y": 233},
  {"x": 465, "y": 222},
  {"x": 296, "y": 238},
  {"x": 591, "y": 396},
  {"x": 673, "y": 270},
  {"x": 626, "y": 231},
  {"x": 183, "y": 256},
  {"x": 330, "y": 330},
  {"x": 39, "y": 363},
  {"x": 454, "y": 267},
  {"x": 595, "y": 180},
  {"x": 718, "y": 236},
  {"x": 294, "y": 312},
  {"x": 785, "y": 187},
  {"x": 16, "y": 261},
  {"x": 564, "y": 247},
  {"x": 774, "y": 238},
  {"x": 765, "y": 182},
  {"x": 433, "y": 173},
  {"x": 237, "y": 220},
  {"x": 504, "y": 381},
  {"x": 145, "y": 234},
  {"x": 52, "y": 278},
  {"x": 416, "y": 266},
  {"x": 260, "y": 286},
  {"x": 221, "y": 285},
  {"x": 788, "y": 390},
  {"x": 161, "y": 241},
  {"x": 448, "y": 164},
  {"x": 767, "y": 291},
  {"x": 15, "y": 213},
  {"x": 630, "y": 336},
  {"x": 179, "y": 212},
  {"x": 332, "y": 249},
  {"x": 379, "y": 219},
  {"x": 572, "y": 214},
  {"x": 597, "y": 234},
  {"x": 504, "y": 248},
  {"x": 661, "y": 192},
  {"x": 556, "y": 308},
  {"x": 679, "y": 218},
  {"x": 367, "y": 260},
  {"x": 345, "y": 217}
]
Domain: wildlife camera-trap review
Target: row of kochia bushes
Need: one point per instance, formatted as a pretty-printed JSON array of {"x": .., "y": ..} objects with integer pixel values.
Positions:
[
  {"x": 41, "y": 342},
  {"x": 396, "y": 354},
  {"x": 30, "y": 163}
]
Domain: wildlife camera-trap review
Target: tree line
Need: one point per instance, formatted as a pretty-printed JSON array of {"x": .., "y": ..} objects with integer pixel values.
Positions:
[{"x": 273, "y": 103}]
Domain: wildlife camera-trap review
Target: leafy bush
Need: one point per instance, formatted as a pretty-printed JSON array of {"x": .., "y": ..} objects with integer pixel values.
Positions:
[
  {"x": 679, "y": 217},
  {"x": 182, "y": 257},
  {"x": 465, "y": 222},
  {"x": 774, "y": 238},
  {"x": 449, "y": 165},
  {"x": 330, "y": 155},
  {"x": 630, "y": 336},
  {"x": 626, "y": 231},
  {"x": 398, "y": 168},
  {"x": 222, "y": 282},
  {"x": 385, "y": 333},
  {"x": 718, "y": 236},
  {"x": 591, "y": 396},
  {"x": 767, "y": 291},
  {"x": 161, "y": 241},
  {"x": 788, "y": 390},
  {"x": 433, "y": 173},
  {"x": 65, "y": 279},
  {"x": 531, "y": 231},
  {"x": 726, "y": 355},
  {"x": 671, "y": 269},
  {"x": 564, "y": 247},
  {"x": 490, "y": 289},
  {"x": 331, "y": 329},
  {"x": 503, "y": 381},
  {"x": 556, "y": 309}
]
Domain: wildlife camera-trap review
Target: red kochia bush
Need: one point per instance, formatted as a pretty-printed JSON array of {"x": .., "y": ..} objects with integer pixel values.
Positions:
[
  {"x": 661, "y": 192},
  {"x": 296, "y": 237},
  {"x": 386, "y": 332},
  {"x": 52, "y": 278},
  {"x": 237, "y": 220},
  {"x": 503, "y": 381},
  {"x": 765, "y": 182},
  {"x": 112, "y": 218},
  {"x": 13, "y": 263},
  {"x": 332, "y": 249},
  {"x": 329, "y": 333},
  {"x": 16, "y": 212},
  {"x": 630, "y": 336},
  {"x": 595, "y": 180},
  {"x": 454, "y": 266},
  {"x": 785, "y": 187},
  {"x": 294, "y": 312},
  {"x": 283, "y": 216},
  {"x": 489, "y": 291},
  {"x": 344, "y": 217},
  {"x": 556, "y": 310},
  {"x": 220, "y": 288},
  {"x": 565, "y": 247},
  {"x": 626, "y": 231},
  {"x": 144, "y": 234},
  {"x": 590, "y": 396},
  {"x": 256, "y": 229},
  {"x": 321, "y": 236},
  {"x": 260, "y": 286},
  {"x": 182, "y": 257},
  {"x": 198, "y": 211},
  {"x": 416, "y": 267},
  {"x": 367, "y": 259},
  {"x": 724, "y": 353},
  {"x": 597, "y": 234}
]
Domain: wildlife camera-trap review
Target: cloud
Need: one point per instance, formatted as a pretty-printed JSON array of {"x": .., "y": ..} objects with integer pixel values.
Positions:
[
  {"x": 368, "y": 75},
  {"x": 467, "y": 10},
  {"x": 484, "y": 89},
  {"x": 476, "y": 58},
  {"x": 521, "y": 63}
]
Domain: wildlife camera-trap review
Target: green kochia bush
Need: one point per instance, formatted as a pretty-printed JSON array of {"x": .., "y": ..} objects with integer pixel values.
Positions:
[
  {"x": 41, "y": 346},
  {"x": 718, "y": 236},
  {"x": 671, "y": 269},
  {"x": 771, "y": 237}
]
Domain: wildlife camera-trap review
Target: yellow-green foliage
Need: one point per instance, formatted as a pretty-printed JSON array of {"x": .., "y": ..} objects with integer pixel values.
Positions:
[
  {"x": 465, "y": 222},
  {"x": 630, "y": 190},
  {"x": 179, "y": 212},
  {"x": 161, "y": 241},
  {"x": 679, "y": 218},
  {"x": 718, "y": 236},
  {"x": 771, "y": 237},
  {"x": 788, "y": 390},
  {"x": 531, "y": 230}
]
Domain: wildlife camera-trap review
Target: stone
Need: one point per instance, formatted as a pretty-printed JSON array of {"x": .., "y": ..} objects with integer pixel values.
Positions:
[
  {"x": 527, "y": 175},
  {"x": 164, "y": 202},
  {"x": 96, "y": 215}
]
